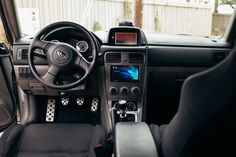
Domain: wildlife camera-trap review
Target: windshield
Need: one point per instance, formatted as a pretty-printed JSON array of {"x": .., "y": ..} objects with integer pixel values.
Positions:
[{"x": 208, "y": 18}]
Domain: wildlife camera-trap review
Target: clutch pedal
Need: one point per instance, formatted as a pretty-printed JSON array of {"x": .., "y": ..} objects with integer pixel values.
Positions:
[{"x": 50, "y": 110}]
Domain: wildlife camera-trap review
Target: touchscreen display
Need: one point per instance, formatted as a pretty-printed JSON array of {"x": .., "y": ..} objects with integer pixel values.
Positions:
[
  {"x": 124, "y": 73},
  {"x": 123, "y": 38}
]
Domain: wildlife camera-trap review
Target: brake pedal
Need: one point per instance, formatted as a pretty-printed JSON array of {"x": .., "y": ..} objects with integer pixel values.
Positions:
[
  {"x": 65, "y": 101},
  {"x": 80, "y": 101},
  {"x": 50, "y": 110},
  {"x": 94, "y": 106}
]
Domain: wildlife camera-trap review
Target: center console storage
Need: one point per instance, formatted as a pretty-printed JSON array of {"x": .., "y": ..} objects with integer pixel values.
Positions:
[{"x": 134, "y": 140}]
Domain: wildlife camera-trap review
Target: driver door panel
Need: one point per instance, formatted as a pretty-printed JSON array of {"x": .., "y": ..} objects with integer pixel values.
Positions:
[{"x": 8, "y": 98}]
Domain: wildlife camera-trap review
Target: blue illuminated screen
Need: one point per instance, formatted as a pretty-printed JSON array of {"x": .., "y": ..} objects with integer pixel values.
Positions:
[{"x": 124, "y": 73}]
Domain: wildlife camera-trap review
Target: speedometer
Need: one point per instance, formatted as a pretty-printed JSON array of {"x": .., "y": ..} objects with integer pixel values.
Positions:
[{"x": 82, "y": 46}]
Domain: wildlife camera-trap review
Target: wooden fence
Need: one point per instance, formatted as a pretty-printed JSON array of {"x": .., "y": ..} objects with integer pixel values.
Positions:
[
  {"x": 170, "y": 18},
  {"x": 219, "y": 23}
]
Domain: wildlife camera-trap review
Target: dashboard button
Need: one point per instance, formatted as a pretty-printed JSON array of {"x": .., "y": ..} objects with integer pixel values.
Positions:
[
  {"x": 135, "y": 91},
  {"x": 113, "y": 91},
  {"x": 125, "y": 58}
]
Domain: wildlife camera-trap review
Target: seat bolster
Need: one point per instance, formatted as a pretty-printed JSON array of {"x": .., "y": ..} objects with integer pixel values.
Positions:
[
  {"x": 102, "y": 134},
  {"x": 157, "y": 132},
  {"x": 98, "y": 137},
  {"x": 10, "y": 140}
]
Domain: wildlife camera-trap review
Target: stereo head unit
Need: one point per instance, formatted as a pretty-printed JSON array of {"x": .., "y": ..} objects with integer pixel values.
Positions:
[{"x": 125, "y": 73}]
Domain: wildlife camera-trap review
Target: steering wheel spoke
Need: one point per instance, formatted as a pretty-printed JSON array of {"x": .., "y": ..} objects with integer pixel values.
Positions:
[
  {"x": 39, "y": 53},
  {"x": 40, "y": 44},
  {"x": 46, "y": 46},
  {"x": 51, "y": 74},
  {"x": 49, "y": 78},
  {"x": 84, "y": 64}
]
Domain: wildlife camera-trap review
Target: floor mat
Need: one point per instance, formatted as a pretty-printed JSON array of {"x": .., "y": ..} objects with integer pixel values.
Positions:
[{"x": 71, "y": 113}]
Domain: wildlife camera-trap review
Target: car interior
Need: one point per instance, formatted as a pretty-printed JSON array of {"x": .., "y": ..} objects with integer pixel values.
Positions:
[{"x": 68, "y": 91}]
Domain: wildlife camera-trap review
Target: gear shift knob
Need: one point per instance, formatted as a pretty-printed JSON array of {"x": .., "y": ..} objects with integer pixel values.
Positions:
[
  {"x": 118, "y": 105},
  {"x": 122, "y": 102}
]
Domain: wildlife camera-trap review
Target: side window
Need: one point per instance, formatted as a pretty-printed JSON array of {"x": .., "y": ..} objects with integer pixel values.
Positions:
[{"x": 3, "y": 38}]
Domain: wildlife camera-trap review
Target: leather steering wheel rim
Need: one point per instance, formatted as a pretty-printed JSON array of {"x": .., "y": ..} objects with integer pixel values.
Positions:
[{"x": 61, "y": 56}]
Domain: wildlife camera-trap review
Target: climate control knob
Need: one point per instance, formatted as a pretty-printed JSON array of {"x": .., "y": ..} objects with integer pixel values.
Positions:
[
  {"x": 135, "y": 91},
  {"x": 113, "y": 91},
  {"x": 124, "y": 91}
]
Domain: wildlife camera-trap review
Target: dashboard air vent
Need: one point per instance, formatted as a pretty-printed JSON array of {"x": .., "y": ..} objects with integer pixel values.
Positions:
[
  {"x": 218, "y": 57},
  {"x": 22, "y": 54},
  {"x": 136, "y": 58},
  {"x": 113, "y": 58}
]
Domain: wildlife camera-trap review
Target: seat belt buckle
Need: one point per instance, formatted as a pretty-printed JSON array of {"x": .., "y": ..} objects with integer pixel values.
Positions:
[{"x": 100, "y": 150}]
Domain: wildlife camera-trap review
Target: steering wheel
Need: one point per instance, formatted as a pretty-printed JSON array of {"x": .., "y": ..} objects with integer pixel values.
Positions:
[{"x": 61, "y": 57}]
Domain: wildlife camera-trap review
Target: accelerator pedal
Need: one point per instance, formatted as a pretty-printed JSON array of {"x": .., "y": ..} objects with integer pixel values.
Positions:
[{"x": 94, "y": 105}]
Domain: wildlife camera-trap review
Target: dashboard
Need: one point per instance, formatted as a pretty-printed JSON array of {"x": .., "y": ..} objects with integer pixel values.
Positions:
[
  {"x": 124, "y": 62},
  {"x": 124, "y": 71},
  {"x": 126, "y": 66}
]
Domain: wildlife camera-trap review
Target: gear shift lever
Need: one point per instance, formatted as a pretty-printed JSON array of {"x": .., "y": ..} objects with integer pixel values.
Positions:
[
  {"x": 120, "y": 108},
  {"x": 118, "y": 105},
  {"x": 123, "y": 114}
]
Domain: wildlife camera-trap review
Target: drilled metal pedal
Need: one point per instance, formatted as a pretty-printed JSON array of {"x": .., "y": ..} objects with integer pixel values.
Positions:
[
  {"x": 94, "y": 105},
  {"x": 80, "y": 101},
  {"x": 65, "y": 101},
  {"x": 50, "y": 110}
]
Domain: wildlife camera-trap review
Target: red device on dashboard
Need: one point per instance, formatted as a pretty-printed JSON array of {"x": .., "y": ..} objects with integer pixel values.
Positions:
[{"x": 123, "y": 38}]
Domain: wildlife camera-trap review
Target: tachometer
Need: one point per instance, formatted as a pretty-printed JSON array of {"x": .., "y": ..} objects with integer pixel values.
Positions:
[{"x": 82, "y": 46}]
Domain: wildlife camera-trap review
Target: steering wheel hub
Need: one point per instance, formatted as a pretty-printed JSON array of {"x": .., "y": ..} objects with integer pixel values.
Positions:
[{"x": 61, "y": 55}]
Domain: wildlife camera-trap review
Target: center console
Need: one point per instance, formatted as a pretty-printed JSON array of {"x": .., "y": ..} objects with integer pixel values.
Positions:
[
  {"x": 125, "y": 70},
  {"x": 134, "y": 140}
]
